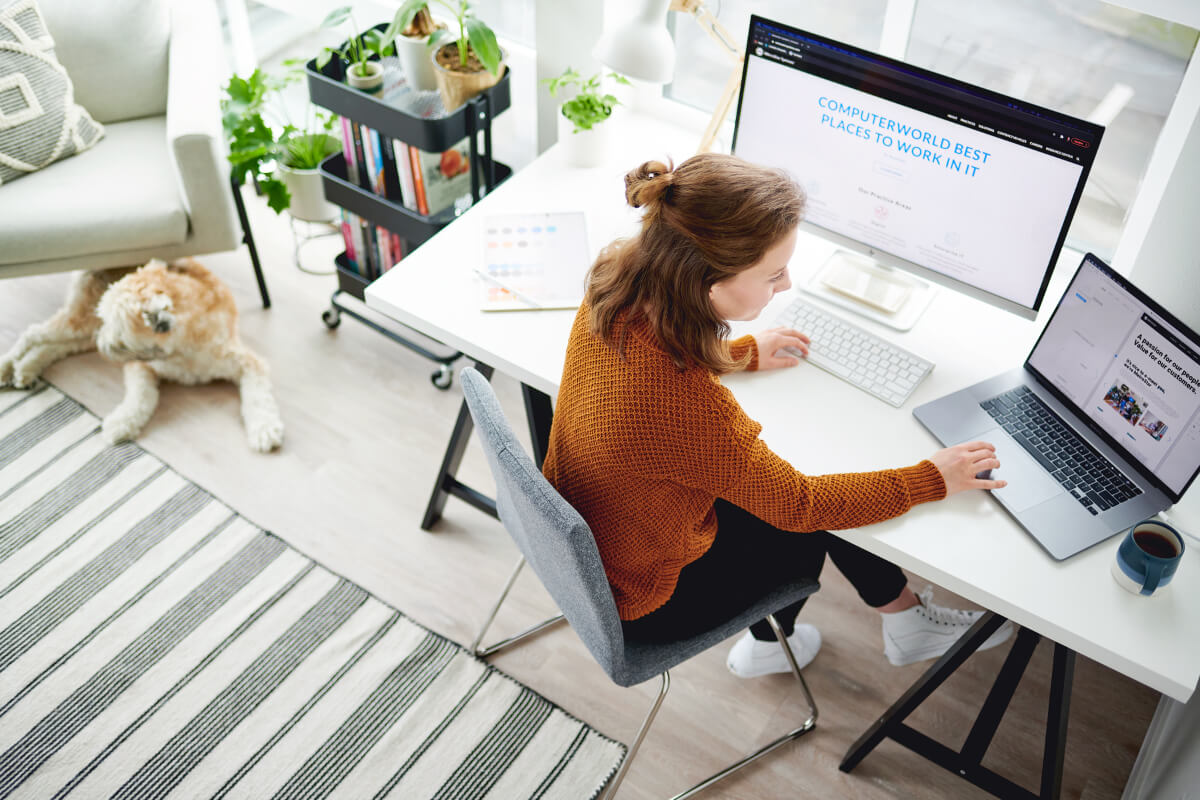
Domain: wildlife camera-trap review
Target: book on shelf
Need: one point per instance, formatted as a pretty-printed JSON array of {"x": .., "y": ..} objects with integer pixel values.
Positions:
[
  {"x": 371, "y": 250},
  {"x": 361, "y": 174},
  {"x": 404, "y": 175},
  {"x": 442, "y": 180},
  {"x": 533, "y": 261},
  {"x": 348, "y": 151},
  {"x": 348, "y": 238},
  {"x": 421, "y": 181}
]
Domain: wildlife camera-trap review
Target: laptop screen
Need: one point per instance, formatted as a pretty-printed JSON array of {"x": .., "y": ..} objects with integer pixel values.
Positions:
[{"x": 1129, "y": 367}]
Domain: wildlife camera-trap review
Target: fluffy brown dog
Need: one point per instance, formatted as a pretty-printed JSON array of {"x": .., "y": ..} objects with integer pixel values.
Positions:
[{"x": 175, "y": 322}]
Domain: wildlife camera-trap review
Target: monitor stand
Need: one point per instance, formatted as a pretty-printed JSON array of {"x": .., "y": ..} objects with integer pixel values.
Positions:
[{"x": 876, "y": 291}]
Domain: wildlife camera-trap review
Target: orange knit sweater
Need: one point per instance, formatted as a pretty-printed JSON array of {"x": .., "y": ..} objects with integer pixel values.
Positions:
[{"x": 642, "y": 450}]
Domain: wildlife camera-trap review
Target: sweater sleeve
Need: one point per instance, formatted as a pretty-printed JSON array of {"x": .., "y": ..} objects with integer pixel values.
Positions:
[
  {"x": 777, "y": 493},
  {"x": 742, "y": 345},
  {"x": 717, "y": 449}
]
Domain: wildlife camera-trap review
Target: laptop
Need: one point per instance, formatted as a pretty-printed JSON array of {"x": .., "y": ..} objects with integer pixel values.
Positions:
[{"x": 1100, "y": 428}]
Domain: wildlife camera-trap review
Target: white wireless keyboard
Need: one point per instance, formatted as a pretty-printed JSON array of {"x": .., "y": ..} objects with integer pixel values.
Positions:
[{"x": 860, "y": 358}]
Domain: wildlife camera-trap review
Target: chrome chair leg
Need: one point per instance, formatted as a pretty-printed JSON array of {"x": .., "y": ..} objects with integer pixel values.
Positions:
[
  {"x": 641, "y": 734},
  {"x": 791, "y": 658},
  {"x": 804, "y": 728},
  {"x": 492, "y": 649}
]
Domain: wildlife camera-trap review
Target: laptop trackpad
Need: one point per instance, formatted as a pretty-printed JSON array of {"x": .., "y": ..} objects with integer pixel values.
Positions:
[{"x": 1028, "y": 483}]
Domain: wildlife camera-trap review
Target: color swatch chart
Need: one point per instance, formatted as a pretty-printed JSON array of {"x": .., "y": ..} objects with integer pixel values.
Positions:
[{"x": 533, "y": 261}]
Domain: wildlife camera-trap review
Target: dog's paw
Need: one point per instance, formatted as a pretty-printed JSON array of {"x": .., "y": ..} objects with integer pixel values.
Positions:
[
  {"x": 265, "y": 436},
  {"x": 118, "y": 428},
  {"x": 19, "y": 374}
]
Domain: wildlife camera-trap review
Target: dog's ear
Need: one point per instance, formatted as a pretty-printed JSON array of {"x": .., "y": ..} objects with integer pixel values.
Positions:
[
  {"x": 156, "y": 313},
  {"x": 155, "y": 264}
]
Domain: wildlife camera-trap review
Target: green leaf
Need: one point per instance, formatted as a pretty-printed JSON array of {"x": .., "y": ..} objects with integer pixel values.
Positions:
[
  {"x": 337, "y": 17},
  {"x": 278, "y": 197},
  {"x": 404, "y": 17},
  {"x": 440, "y": 37},
  {"x": 372, "y": 40},
  {"x": 483, "y": 42}
]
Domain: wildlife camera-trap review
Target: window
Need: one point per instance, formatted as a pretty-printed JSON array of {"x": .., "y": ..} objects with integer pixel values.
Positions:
[
  {"x": 1082, "y": 57},
  {"x": 510, "y": 19},
  {"x": 703, "y": 68}
]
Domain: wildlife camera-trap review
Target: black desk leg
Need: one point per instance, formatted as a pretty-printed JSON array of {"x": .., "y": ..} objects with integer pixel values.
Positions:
[
  {"x": 538, "y": 413},
  {"x": 967, "y": 762},
  {"x": 945, "y": 666},
  {"x": 447, "y": 484},
  {"x": 1056, "y": 720},
  {"x": 248, "y": 239}
]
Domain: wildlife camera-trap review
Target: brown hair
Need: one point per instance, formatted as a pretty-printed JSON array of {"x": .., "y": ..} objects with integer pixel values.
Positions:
[{"x": 708, "y": 219}]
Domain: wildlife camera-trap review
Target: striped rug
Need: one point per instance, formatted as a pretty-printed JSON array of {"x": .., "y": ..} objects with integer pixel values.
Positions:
[{"x": 153, "y": 643}]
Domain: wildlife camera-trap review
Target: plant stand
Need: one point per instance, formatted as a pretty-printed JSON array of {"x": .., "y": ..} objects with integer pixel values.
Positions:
[{"x": 323, "y": 231}]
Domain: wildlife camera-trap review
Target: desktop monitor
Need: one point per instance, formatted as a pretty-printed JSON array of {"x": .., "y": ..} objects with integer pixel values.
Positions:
[{"x": 913, "y": 170}]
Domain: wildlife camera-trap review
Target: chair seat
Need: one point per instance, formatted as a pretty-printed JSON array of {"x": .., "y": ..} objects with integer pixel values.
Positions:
[
  {"x": 646, "y": 660},
  {"x": 121, "y": 195}
]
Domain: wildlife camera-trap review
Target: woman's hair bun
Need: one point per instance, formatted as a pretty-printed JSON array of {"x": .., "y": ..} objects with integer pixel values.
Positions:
[{"x": 649, "y": 183}]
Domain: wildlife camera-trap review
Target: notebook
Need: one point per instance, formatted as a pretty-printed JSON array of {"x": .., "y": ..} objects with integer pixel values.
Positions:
[
  {"x": 533, "y": 261},
  {"x": 1100, "y": 428}
]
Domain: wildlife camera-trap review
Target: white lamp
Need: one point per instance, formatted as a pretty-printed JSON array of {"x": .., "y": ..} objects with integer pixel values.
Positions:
[{"x": 642, "y": 48}]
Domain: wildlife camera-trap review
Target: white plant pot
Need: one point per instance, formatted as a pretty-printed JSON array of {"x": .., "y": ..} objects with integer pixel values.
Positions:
[
  {"x": 371, "y": 83},
  {"x": 417, "y": 63},
  {"x": 308, "y": 195},
  {"x": 586, "y": 148}
]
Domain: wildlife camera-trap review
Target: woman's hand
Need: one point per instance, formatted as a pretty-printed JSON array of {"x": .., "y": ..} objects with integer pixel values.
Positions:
[
  {"x": 960, "y": 464},
  {"x": 771, "y": 344}
]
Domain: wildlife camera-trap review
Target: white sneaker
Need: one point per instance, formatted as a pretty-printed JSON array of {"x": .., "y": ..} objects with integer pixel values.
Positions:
[
  {"x": 750, "y": 657},
  {"x": 927, "y": 631}
]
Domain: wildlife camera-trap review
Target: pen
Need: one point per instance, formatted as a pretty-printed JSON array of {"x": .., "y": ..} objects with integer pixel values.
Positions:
[{"x": 499, "y": 284}]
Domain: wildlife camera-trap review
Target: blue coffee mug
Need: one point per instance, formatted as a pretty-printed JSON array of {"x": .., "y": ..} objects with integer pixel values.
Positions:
[{"x": 1148, "y": 556}]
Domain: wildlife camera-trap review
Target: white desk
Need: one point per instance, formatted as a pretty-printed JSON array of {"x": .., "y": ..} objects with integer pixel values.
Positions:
[{"x": 820, "y": 424}]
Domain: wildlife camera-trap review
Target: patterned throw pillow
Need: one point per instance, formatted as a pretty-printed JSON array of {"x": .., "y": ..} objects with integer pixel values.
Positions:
[{"x": 40, "y": 122}]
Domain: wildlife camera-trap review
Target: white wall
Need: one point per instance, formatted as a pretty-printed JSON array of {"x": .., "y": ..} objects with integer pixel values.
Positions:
[{"x": 1160, "y": 247}]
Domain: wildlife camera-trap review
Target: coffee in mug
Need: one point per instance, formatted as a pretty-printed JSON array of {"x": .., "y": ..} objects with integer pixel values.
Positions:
[{"x": 1148, "y": 556}]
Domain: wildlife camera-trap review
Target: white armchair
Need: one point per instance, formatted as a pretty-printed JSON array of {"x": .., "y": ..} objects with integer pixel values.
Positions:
[{"x": 158, "y": 184}]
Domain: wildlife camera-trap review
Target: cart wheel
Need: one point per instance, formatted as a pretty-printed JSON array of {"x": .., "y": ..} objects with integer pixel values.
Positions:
[
  {"x": 443, "y": 377},
  {"x": 331, "y": 317}
]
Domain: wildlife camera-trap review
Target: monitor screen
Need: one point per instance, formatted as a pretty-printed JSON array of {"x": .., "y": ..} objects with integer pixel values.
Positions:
[{"x": 969, "y": 188}]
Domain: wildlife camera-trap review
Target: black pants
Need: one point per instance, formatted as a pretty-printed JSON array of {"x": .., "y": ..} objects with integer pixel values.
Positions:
[{"x": 747, "y": 553}]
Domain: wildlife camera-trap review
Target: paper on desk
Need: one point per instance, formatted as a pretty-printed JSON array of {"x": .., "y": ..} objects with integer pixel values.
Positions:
[{"x": 542, "y": 257}]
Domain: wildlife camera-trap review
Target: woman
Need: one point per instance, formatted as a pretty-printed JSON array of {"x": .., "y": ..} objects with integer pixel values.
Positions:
[{"x": 690, "y": 509}]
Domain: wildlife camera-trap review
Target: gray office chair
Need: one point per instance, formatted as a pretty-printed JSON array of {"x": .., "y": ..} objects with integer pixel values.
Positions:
[{"x": 557, "y": 543}]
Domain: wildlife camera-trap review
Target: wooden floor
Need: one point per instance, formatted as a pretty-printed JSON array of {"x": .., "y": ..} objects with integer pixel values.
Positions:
[{"x": 365, "y": 434}]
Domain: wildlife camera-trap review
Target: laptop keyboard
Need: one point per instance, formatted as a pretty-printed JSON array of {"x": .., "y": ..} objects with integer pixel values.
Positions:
[{"x": 1085, "y": 473}]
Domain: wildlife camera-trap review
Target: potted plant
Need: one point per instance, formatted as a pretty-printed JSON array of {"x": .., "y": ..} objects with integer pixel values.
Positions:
[
  {"x": 361, "y": 72},
  {"x": 409, "y": 33},
  {"x": 580, "y": 131},
  {"x": 266, "y": 145},
  {"x": 467, "y": 59}
]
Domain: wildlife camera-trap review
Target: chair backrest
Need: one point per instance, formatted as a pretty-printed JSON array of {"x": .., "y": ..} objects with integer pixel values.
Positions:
[
  {"x": 549, "y": 532},
  {"x": 115, "y": 53}
]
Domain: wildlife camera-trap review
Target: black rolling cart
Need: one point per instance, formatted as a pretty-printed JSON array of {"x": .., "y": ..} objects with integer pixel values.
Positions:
[{"x": 472, "y": 121}]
